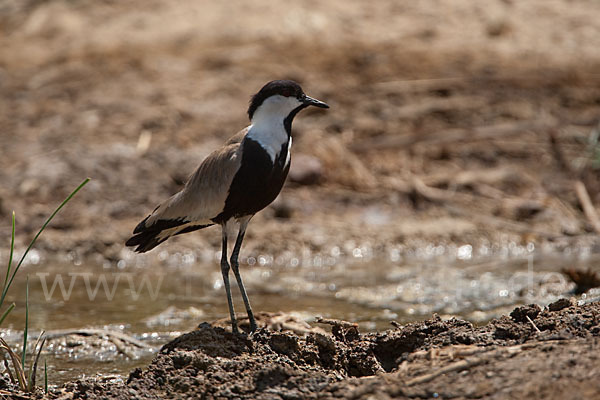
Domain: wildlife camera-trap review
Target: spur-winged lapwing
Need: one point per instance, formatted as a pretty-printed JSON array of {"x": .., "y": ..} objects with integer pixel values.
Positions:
[{"x": 234, "y": 182}]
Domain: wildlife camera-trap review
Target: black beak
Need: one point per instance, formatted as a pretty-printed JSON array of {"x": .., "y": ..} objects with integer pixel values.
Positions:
[{"x": 309, "y": 101}]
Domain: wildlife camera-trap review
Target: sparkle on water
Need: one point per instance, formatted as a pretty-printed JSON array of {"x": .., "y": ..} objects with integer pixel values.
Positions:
[{"x": 155, "y": 298}]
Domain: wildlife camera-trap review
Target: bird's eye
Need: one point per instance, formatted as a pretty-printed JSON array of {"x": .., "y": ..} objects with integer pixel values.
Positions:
[{"x": 286, "y": 92}]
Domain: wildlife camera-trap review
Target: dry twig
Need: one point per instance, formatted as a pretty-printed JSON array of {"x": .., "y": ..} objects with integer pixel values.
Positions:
[
  {"x": 336, "y": 322},
  {"x": 7, "y": 394},
  {"x": 586, "y": 203},
  {"x": 533, "y": 324},
  {"x": 122, "y": 348}
]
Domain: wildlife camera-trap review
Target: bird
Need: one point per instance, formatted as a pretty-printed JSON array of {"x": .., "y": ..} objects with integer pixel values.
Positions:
[{"x": 233, "y": 182}]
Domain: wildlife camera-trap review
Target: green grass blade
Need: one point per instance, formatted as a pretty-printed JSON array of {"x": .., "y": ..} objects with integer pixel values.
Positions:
[
  {"x": 65, "y": 201},
  {"x": 45, "y": 377},
  {"x": 12, "y": 250},
  {"x": 5, "y": 314},
  {"x": 26, "y": 331}
]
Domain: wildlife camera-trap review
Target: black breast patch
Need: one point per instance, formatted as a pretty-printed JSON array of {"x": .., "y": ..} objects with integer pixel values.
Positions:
[{"x": 257, "y": 183}]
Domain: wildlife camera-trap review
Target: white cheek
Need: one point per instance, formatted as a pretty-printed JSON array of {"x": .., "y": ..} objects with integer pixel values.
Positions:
[
  {"x": 293, "y": 103},
  {"x": 281, "y": 105}
]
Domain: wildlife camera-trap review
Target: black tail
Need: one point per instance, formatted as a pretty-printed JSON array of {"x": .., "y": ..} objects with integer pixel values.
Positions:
[{"x": 147, "y": 238}]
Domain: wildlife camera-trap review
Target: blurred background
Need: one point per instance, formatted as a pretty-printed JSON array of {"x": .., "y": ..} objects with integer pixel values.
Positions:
[
  {"x": 447, "y": 95},
  {"x": 460, "y": 151}
]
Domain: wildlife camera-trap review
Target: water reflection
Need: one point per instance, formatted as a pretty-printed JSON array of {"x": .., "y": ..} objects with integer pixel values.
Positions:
[{"x": 152, "y": 298}]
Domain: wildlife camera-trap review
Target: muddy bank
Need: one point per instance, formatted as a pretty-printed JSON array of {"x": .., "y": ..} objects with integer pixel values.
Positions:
[{"x": 533, "y": 353}]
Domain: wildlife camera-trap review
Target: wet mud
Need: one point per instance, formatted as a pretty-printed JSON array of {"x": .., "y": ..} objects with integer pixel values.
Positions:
[{"x": 546, "y": 353}]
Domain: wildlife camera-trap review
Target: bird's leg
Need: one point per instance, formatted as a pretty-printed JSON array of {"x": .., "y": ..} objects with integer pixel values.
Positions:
[
  {"x": 225, "y": 272},
  {"x": 235, "y": 265}
]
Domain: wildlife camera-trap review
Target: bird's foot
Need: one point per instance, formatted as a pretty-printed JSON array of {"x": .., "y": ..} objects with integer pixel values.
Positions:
[{"x": 253, "y": 327}]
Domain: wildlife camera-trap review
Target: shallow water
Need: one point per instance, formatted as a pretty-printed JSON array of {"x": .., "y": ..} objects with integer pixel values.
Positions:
[{"x": 155, "y": 304}]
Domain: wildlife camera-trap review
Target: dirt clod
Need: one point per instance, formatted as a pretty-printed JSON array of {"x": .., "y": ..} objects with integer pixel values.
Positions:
[
  {"x": 520, "y": 314},
  {"x": 560, "y": 304},
  {"x": 284, "y": 344}
]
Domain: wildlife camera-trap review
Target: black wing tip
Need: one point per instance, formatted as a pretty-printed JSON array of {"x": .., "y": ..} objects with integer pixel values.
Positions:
[
  {"x": 144, "y": 241},
  {"x": 135, "y": 240},
  {"x": 146, "y": 238},
  {"x": 141, "y": 226}
]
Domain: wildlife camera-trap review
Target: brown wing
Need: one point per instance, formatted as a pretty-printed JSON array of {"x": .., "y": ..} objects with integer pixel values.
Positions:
[{"x": 202, "y": 198}]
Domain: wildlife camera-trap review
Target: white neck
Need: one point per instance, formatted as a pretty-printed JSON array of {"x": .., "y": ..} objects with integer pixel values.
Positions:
[
  {"x": 267, "y": 124},
  {"x": 270, "y": 134}
]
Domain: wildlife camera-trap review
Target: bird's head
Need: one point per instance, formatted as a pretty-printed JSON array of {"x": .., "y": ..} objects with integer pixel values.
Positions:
[{"x": 280, "y": 99}]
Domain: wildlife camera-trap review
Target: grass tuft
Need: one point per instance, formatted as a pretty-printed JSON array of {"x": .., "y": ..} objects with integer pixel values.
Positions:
[{"x": 17, "y": 372}]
